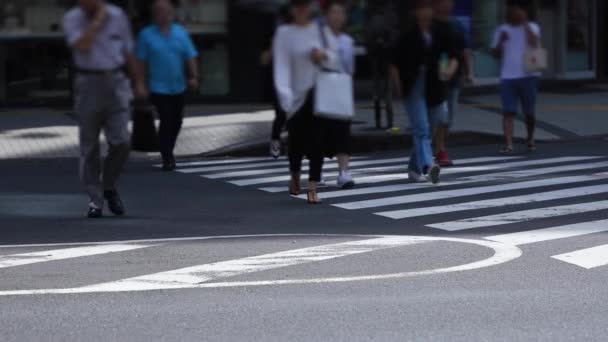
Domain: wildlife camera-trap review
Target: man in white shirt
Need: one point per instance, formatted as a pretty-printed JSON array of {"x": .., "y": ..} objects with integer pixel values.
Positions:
[{"x": 511, "y": 41}]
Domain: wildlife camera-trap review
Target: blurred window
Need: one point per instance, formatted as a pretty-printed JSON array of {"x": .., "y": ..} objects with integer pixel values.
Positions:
[
  {"x": 580, "y": 41},
  {"x": 487, "y": 16}
]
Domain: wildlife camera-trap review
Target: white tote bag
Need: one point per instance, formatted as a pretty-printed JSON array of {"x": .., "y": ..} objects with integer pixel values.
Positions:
[
  {"x": 536, "y": 59},
  {"x": 334, "y": 98},
  {"x": 334, "y": 92}
]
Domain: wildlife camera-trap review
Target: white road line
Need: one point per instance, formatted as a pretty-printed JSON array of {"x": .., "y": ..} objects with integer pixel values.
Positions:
[
  {"x": 63, "y": 254},
  {"x": 438, "y": 195},
  {"x": 502, "y": 254},
  {"x": 498, "y": 202},
  {"x": 374, "y": 179},
  {"x": 275, "y": 179},
  {"x": 327, "y": 166},
  {"x": 543, "y": 171},
  {"x": 469, "y": 180},
  {"x": 260, "y": 164},
  {"x": 555, "y": 233},
  {"x": 220, "y": 162},
  {"x": 359, "y": 180},
  {"x": 190, "y": 276},
  {"x": 586, "y": 258},
  {"x": 232, "y": 167},
  {"x": 520, "y": 216}
]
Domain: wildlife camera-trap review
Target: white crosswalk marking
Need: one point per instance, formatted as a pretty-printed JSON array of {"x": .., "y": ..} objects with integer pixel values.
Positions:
[
  {"x": 493, "y": 177},
  {"x": 232, "y": 167},
  {"x": 63, "y": 254},
  {"x": 264, "y": 163},
  {"x": 548, "y": 234},
  {"x": 363, "y": 178},
  {"x": 327, "y": 166},
  {"x": 189, "y": 276},
  {"x": 586, "y": 258},
  {"x": 498, "y": 202},
  {"x": 468, "y": 180},
  {"x": 219, "y": 162},
  {"x": 520, "y": 216},
  {"x": 472, "y": 169},
  {"x": 438, "y": 195}
]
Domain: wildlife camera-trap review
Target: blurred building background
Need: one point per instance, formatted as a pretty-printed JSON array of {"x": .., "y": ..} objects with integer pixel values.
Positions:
[{"x": 35, "y": 65}]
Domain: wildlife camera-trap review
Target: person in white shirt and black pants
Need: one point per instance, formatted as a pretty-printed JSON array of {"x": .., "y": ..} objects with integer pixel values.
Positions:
[
  {"x": 511, "y": 41},
  {"x": 298, "y": 56}
]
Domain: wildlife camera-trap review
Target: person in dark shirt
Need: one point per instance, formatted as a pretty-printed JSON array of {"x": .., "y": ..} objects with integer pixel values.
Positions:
[
  {"x": 421, "y": 80},
  {"x": 442, "y": 121},
  {"x": 381, "y": 33}
]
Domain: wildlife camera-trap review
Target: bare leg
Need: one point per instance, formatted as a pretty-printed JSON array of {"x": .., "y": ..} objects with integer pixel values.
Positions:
[
  {"x": 441, "y": 133},
  {"x": 508, "y": 128},
  {"x": 343, "y": 161},
  {"x": 531, "y": 126},
  {"x": 313, "y": 197},
  {"x": 294, "y": 184}
]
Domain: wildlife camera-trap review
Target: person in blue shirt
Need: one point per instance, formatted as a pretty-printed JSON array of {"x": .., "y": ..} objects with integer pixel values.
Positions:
[{"x": 169, "y": 60}]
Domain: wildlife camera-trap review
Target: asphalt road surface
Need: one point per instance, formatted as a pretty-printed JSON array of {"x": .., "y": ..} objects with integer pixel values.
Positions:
[{"x": 504, "y": 249}]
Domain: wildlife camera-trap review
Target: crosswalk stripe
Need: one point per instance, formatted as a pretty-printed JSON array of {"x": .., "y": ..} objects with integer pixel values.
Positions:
[
  {"x": 260, "y": 164},
  {"x": 548, "y": 234},
  {"x": 186, "y": 277},
  {"x": 327, "y": 166},
  {"x": 232, "y": 167},
  {"x": 63, "y": 254},
  {"x": 276, "y": 179},
  {"x": 520, "y": 216},
  {"x": 219, "y": 162},
  {"x": 484, "y": 178},
  {"x": 374, "y": 179},
  {"x": 446, "y": 194},
  {"x": 498, "y": 202},
  {"x": 586, "y": 258},
  {"x": 360, "y": 181},
  {"x": 543, "y": 171}
]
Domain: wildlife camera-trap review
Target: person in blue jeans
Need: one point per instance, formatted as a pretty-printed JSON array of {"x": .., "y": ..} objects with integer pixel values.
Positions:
[
  {"x": 416, "y": 68},
  {"x": 165, "y": 52},
  {"x": 518, "y": 85}
]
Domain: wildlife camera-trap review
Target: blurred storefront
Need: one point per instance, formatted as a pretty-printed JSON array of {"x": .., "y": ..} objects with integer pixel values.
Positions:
[
  {"x": 35, "y": 65},
  {"x": 570, "y": 34}
]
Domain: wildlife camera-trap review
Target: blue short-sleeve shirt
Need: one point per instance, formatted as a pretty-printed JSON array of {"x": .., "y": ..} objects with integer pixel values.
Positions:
[{"x": 166, "y": 56}]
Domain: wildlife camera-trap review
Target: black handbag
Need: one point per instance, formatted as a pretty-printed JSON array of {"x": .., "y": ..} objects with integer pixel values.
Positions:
[{"x": 145, "y": 136}]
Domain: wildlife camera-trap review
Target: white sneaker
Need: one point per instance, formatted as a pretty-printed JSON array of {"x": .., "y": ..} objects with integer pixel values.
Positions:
[
  {"x": 345, "y": 180},
  {"x": 414, "y": 177},
  {"x": 433, "y": 175},
  {"x": 275, "y": 149}
]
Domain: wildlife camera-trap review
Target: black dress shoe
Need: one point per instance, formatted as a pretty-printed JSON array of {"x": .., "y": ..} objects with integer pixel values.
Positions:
[
  {"x": 168, "y": 167},
  {"x": 169, "y": 164},
  {"x": 114, "y": 203},
  {"x": 95, "y": 213}
]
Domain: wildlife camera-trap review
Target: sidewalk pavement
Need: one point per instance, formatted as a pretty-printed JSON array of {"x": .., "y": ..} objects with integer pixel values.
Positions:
[{"x": 574, "y": 114}]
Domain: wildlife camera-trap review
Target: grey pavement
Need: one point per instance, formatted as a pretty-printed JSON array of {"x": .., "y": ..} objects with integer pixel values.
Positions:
[
  {"x": 220, "y": 130},
  {"x": 525, "y": 272}
]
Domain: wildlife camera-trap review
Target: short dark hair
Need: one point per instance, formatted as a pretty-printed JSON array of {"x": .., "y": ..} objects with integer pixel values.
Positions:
[
  {"x": 522, "y": 4},
  {"x": 332, "y": 3},
  {"x": 417, "y": 4},
  {"x": 299, "y": 2}
]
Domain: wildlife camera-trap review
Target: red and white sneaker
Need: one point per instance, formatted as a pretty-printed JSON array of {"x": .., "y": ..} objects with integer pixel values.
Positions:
[{"x": 443, "y": 159}]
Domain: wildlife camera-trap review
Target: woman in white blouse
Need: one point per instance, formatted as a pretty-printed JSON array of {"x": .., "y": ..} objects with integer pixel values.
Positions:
[{"x": 299, "y": 54}]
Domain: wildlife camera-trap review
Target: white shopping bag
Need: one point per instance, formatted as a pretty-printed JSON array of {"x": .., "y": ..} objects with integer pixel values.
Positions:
[
  {"x": 334, "y": 96},
  {"x": 536, "y": 59}
]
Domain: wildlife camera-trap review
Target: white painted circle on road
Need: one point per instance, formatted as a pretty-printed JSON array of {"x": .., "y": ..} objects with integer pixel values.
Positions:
[{"x": 207, "y": 275}]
